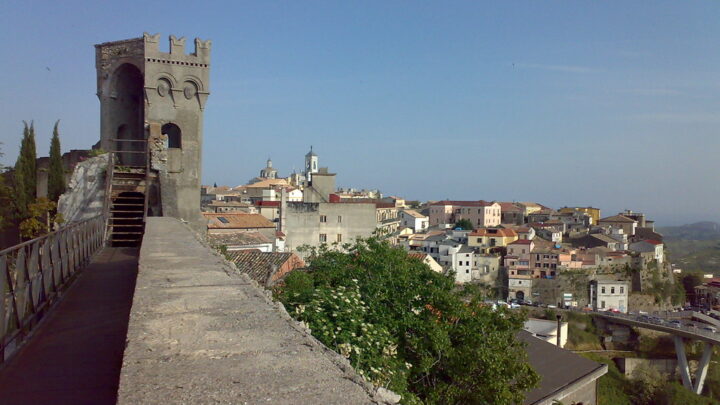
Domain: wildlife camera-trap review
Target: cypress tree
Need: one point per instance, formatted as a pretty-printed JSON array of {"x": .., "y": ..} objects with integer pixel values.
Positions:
[
  {"x": 25, "y": 174},
  {"x": 56, "y": 174},
  {"x": 30, "y": 168},
  {"x": 21, "y": 200}
]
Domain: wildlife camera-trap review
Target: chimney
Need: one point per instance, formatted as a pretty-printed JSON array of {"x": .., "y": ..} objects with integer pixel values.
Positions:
[
  {"x": 559, "y": 329},
  {"x": 283, "y": 208}
]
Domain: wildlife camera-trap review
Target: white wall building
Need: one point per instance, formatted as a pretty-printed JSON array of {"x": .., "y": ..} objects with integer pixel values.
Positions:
[
  {"x": 414, "y": 220},
  {"x": 607, "y": 295}
]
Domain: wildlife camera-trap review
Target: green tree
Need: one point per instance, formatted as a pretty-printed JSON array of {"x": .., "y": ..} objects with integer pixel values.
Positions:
[
  {"x": 25, "y": 175},
  {"x": 56, "y": 173},
  {"x": 689, "y": 282},
  {"x": 464, "y": 224},
  {"x": 407, "y": 328},
  {"x": 42, "y": 216},
  {"x": 5, "y": 198}
]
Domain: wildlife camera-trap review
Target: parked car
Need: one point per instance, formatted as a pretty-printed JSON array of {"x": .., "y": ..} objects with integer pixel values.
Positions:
[
  {"x": 551, "y": 306},
  {"x": 710, "y": 328},
  {"x": 675, "y": 323}
]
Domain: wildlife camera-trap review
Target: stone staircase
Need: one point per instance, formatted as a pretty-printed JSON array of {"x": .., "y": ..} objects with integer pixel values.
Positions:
[{"x": 128, "y": 206}]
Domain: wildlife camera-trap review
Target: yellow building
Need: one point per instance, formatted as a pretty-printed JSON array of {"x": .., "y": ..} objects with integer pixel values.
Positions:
[
  {"x": 488, "y": 238},
  {"x": 594, "y": 213}
]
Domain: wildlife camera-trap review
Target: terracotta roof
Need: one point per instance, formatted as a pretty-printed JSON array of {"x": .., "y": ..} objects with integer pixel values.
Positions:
[
  {"x": 237, "y": 239},
  {"x": 653, "y": 242},
  {"x": 509, "y": 207},
  {"x": 268, "y": 183},
  {"x": 480, "y": 203},
  {"x": 522, "y": 242},
  {"x": 617, "y": 218},
  {"x": 414, "y": 213},
  {"x": 260, "y": 266},
  {"x": 506, "y": 233},
  {"x": 236, "y": 221},
  {"x": 384, "y": 205},
  {"x": 417, "y": 255}
]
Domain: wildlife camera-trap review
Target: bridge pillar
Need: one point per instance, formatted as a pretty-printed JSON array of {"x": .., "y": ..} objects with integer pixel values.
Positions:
[
  {"x": 703, "y": 368},
  {"x": 682, "y": 362}
]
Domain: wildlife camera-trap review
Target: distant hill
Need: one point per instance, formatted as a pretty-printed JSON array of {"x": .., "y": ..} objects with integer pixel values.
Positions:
[
  {"x": 705, "y": 230},
  {"x": 694, "y": 247}
]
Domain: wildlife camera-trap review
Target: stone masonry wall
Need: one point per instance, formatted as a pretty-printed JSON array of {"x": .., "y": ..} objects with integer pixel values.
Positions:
[{"x": 85, "y": 194}]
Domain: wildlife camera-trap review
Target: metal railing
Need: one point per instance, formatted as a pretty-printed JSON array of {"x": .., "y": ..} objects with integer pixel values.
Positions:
[{"x": 34, "y": 274}]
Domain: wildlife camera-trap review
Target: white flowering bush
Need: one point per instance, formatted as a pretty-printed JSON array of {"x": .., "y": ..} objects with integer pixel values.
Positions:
[
  {"x": 407, "y": 328},
  {"x": 338, "y": 318}
]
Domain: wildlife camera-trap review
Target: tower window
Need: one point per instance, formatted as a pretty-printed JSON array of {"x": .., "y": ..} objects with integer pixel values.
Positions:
[{"x": 174, "y": 135}]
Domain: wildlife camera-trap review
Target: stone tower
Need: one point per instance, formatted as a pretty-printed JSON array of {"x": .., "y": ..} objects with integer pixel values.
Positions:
[
  {"x": 148, "y": 97},
  {"x": 311, "y": 165}
]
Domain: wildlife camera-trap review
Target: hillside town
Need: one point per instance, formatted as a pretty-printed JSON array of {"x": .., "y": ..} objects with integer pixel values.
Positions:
[{"x": 520, "y": 252}]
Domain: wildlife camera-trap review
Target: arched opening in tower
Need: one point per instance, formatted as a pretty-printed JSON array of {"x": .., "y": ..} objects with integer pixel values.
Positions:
[
  {"x": 127, "y": 95},
  {"x": 174, "y": 135}
]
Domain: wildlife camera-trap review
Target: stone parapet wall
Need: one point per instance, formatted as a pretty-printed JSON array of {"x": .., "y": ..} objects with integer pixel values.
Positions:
[{"x": 200, "y": 332}]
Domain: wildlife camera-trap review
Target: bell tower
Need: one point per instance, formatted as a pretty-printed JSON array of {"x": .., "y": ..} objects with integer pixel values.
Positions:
[
  {"x": 151, "y": 115},
  {"x": 311, "y": 165}
]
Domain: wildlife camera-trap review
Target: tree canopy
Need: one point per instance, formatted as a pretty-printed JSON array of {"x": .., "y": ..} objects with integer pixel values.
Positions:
[
  {"x": 56, "y": 173},
  {"x": 25, "y": 172},
  {"x": 464, "y": 224},
  {"x": 407, "y": 328}
]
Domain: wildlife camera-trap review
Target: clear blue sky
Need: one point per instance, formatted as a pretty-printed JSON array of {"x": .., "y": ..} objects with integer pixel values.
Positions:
[{"x": 610, "y": 104}]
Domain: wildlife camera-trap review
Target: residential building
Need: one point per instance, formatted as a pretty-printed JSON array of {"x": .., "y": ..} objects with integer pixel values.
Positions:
[
  {"x": 387, "y": 218},
  {"x": 414, "y": 220},
  {"x": 609, "y": 294},
  {"x": 228, "y": 206},
  {"x": 233, "y": 222},
  {"x": 628, "y": 225},
  {"x": 231, "y": 229},
  {"x": 488, "y": 239},
  {"x": 550, "y": 233},
  {"x": 707, "y": 295},
  {"x": 594, "y": 240},
  {"x": 520, "y": 274},
  {"x": 461, "y": 262},
  {"x": 480, "y": 213},
  {"x": 266, "y": 268},
  {"x": 541, "y": 215},
  {"x": 653, "y": 246},
  {"x": 511, "y": 213},
  {"x": 427, "y": 259},
  {"x": 313, "y": 224},
  {"x": 485, "y": 268},
  {"x": 268, "y": 209},
  {"x": 397, "y": 201},
  {"x": 593, "y": 213}
]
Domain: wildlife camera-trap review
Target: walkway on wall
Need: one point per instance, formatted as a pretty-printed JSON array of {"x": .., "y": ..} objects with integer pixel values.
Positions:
[{"x": 75, "y": 354}]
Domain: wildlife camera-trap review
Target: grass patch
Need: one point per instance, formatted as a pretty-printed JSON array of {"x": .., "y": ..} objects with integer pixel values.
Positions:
[{"x": 613, "y": 387}]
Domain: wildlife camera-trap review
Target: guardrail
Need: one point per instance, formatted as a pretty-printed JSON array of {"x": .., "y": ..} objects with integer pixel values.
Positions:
[{"x": 34, "y": 274}]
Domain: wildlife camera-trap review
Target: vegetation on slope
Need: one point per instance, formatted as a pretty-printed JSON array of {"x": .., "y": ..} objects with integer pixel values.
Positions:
[{"x": 407, "y": 328}]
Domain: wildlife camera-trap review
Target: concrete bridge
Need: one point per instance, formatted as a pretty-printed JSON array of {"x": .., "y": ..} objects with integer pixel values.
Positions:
[{"x": 680, "y": 335}]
